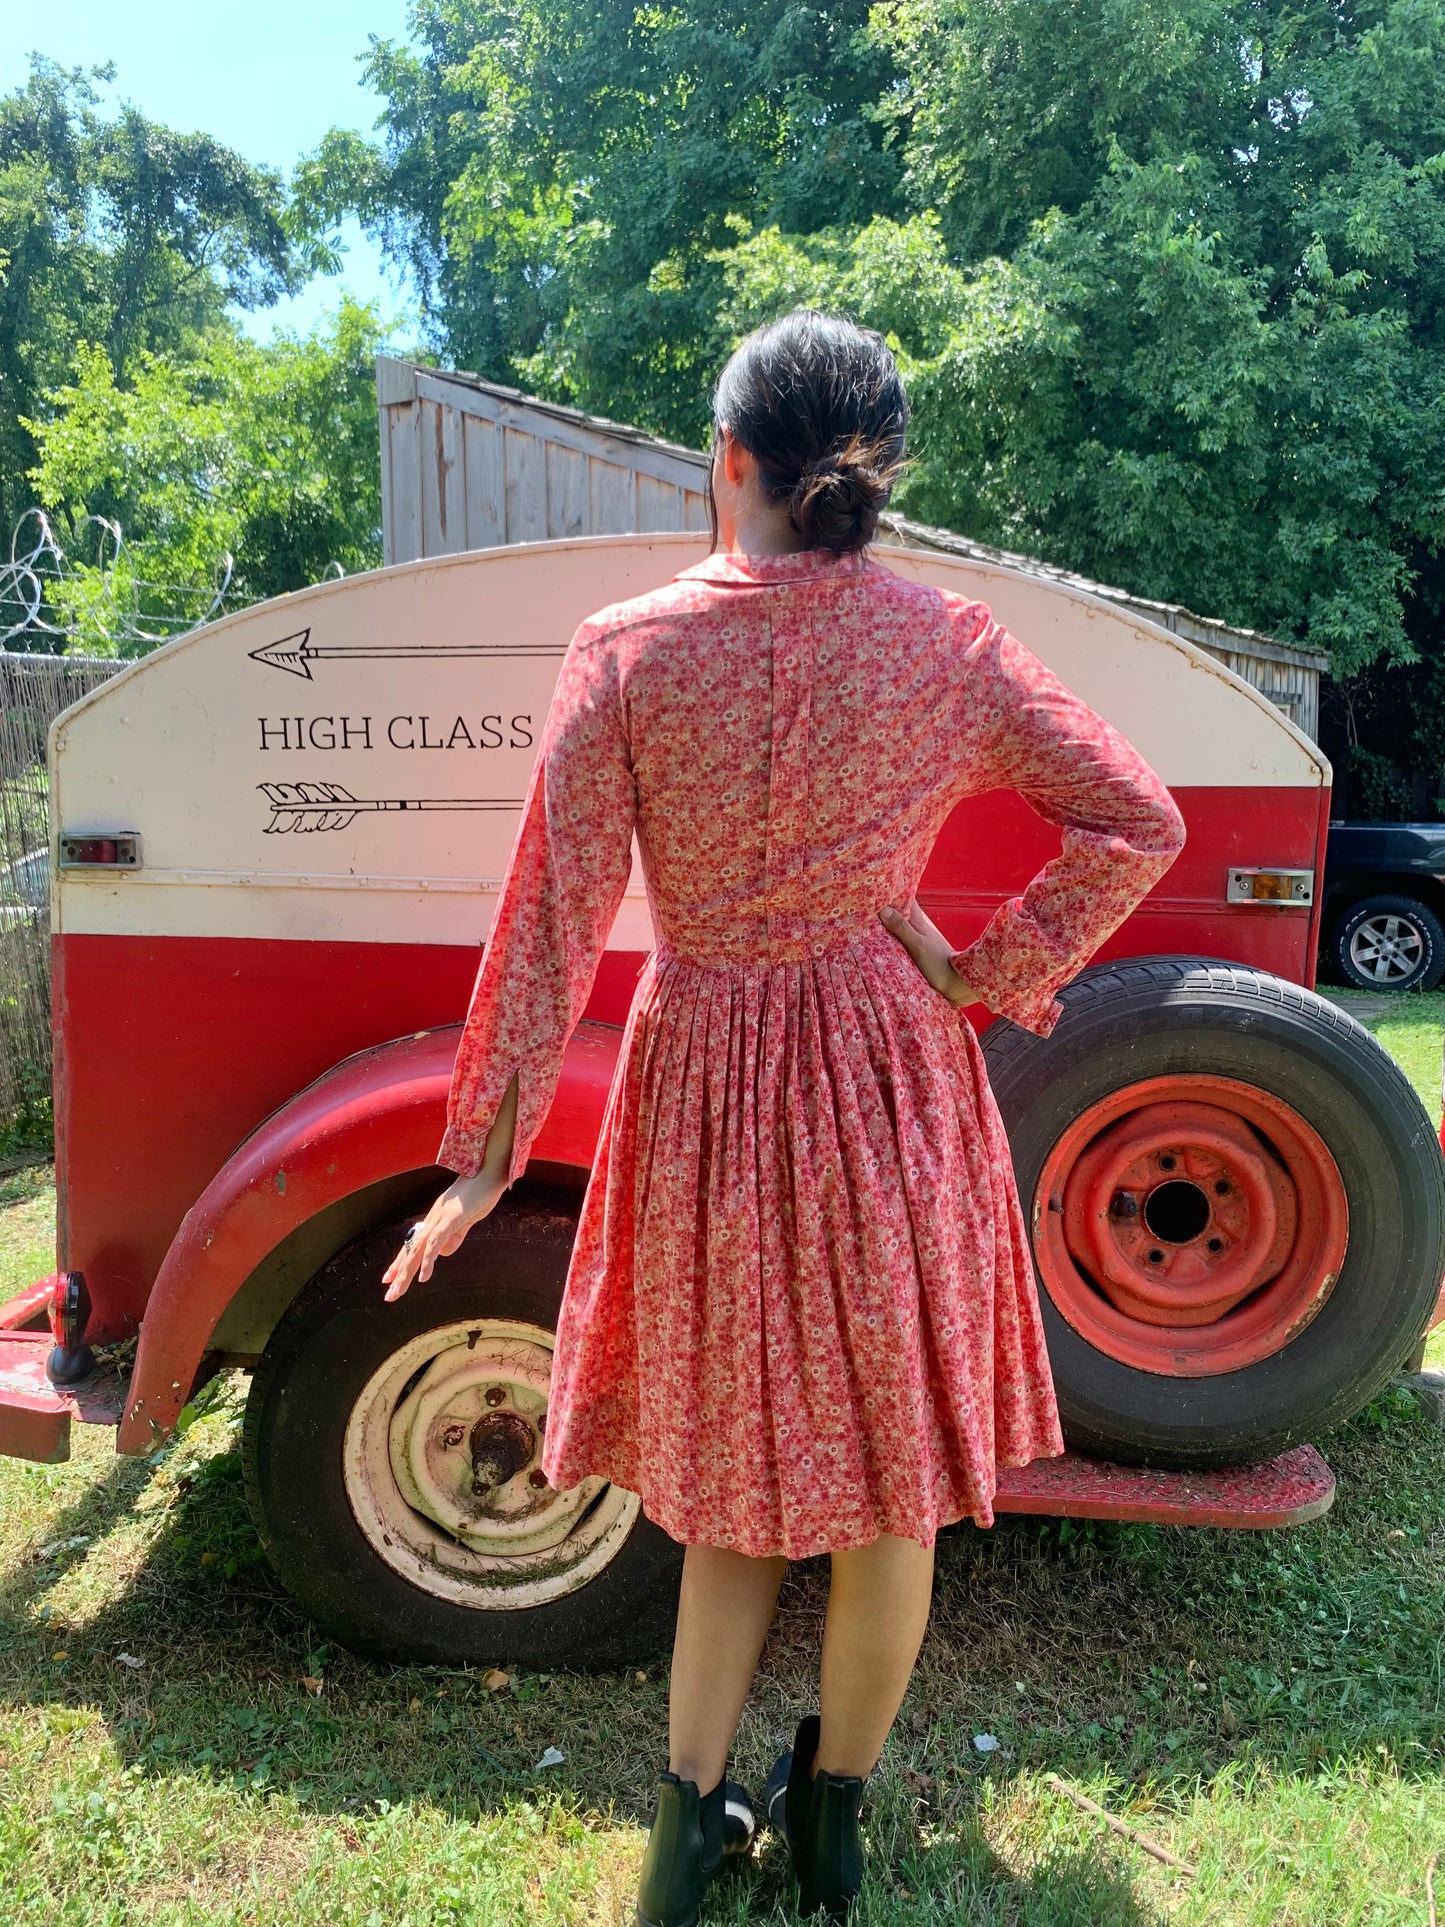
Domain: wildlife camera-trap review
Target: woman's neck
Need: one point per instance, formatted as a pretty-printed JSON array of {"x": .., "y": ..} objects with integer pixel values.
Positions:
[{"x": 764, "y": 531}]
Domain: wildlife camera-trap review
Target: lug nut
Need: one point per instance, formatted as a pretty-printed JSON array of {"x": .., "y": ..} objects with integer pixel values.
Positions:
[
  {"x": 537, "y": 1480},
  {"x": 454, "y": 1434},
  {"x": 495, "y": 1395}
]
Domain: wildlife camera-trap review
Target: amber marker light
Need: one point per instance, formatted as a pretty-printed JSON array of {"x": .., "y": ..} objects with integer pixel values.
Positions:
[{"x": 1271, "y": 886}]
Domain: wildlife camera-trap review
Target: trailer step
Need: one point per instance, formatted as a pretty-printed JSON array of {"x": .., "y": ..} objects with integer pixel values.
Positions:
[
  {"x": 34, "y": 1414},
  {"x": 1286, "y": 1491}
]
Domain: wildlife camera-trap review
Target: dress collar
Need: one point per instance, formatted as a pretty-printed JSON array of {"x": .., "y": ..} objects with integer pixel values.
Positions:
[{"x": 751, "y": 571}]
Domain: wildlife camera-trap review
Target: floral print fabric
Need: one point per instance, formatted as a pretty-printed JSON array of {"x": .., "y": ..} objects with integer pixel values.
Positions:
[{"x": 801, "y": 1308}]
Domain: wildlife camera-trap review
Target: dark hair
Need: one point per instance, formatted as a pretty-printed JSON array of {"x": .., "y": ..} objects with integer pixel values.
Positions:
[{"x": 819, "y": 405}]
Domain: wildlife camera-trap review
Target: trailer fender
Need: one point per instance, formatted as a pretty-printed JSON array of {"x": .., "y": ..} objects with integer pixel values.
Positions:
[{"x": 374, "y": 1116}]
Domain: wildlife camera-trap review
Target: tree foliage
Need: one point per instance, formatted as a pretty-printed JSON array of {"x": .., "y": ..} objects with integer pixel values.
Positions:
[
  {"x": 1167, "y": 274},
  {"x": 227, "y": 447},
  {"x": 120, "y": 234},
  {"x": 559, "y": 177}
]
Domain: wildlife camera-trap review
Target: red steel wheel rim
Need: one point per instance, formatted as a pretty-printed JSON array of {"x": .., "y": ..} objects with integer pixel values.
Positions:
[{"x": 1190, "y": 1225}]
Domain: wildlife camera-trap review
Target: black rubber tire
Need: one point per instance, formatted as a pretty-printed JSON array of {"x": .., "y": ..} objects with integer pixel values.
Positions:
[
  {"x": 1163, "y": 1015},
  {"x": 319, "y": 1359},
  {"x": 1429, "y": 970}
]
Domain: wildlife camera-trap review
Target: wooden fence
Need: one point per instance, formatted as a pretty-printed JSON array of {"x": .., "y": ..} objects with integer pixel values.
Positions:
[{"x": 33, "y": 691}]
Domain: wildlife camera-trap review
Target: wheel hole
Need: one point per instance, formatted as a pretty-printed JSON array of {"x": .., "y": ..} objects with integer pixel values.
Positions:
[{"x": 1176, "y": 1212}]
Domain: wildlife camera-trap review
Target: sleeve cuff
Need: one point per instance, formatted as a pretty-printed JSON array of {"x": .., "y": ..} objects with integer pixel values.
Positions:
[{"x": 1014, "y": 978}]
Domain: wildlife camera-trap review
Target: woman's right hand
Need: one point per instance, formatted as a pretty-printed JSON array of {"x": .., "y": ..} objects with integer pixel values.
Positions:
[
  {"x": 441, "y": 1232},
  {"x": 930, "y": 950}
]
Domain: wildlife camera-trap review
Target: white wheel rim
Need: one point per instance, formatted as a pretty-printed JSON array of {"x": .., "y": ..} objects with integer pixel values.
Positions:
[
  {"x": 441, "y": 1466},
  {"x": 1387, "y": 949}
]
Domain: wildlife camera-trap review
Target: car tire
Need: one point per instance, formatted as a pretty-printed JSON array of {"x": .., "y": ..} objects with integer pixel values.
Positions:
[
  {"x": 324, "y": 1468},
  {"x": 1388, "y": 943},
  {"x": 1162, "y": 1030}
]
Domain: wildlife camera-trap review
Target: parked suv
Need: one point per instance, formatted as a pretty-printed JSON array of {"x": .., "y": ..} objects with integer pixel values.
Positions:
[{"x": 1384, "y": 917}]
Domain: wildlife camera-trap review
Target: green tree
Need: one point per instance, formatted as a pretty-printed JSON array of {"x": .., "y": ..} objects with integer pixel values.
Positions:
[
  {"x": 1212, "y": 365},
  {"x": 266, "y": 452},
  {"x": 119, "y": 233},
  {"x": 1167, "y": 274},
  {"x": 559, "y": 176}
]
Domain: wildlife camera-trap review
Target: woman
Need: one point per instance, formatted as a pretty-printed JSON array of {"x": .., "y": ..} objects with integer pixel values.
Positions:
[{"x": 800, "y": 1315}]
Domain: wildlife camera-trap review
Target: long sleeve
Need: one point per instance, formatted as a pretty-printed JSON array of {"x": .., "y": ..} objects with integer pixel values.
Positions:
[
  {"x": 564, "y": 883},
  {"x": 1122, "y": 829}
]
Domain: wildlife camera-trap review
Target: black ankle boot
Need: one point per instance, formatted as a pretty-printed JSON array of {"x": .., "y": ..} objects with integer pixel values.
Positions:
[
  {"x": 692, "y": 1838},
  {"x": 817, "y": 1813},
  {"x": 830, "y": 1861}
]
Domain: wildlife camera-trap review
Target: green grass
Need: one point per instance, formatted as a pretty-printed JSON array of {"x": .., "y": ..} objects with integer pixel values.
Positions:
[
  {"x": 1270, "y": 1706},
  {"x": 27, "y": 1223},
  {"x": 1412, "y": 1029}
]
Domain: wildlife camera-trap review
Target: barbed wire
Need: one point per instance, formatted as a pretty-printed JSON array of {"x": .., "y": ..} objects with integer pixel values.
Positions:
[{"x": 40, "y": 581}]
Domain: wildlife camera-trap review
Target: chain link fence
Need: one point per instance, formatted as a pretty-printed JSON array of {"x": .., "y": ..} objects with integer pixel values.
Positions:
[{"x": 33, "y": 691}]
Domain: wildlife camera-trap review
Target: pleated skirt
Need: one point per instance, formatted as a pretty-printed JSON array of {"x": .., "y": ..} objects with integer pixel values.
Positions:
[{"x": 801, "y": 1310}]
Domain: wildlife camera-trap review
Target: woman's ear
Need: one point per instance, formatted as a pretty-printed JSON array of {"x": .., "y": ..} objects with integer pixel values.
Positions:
[{"x": 737, "y": 464}]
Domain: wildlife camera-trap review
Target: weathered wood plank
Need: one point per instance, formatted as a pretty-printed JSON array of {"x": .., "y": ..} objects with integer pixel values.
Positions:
[
  {"x": 659, "y": 505},
  {"x": 526, "y": 471},
  {"x": 486, "y": 489},
  {"x": 433, "y": 438},
  {"x": 614, "y": 498},
  {"x": 401, "y": 429},
  {"x": 695, "y": 515},
  {"x": 453, "y": 481},
  {"x": 569, "y": 508}
]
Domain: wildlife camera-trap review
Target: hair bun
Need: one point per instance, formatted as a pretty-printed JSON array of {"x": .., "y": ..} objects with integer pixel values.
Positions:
[
  {"x": 819, "y": 405},
  {"x": 836, "y": 501}
]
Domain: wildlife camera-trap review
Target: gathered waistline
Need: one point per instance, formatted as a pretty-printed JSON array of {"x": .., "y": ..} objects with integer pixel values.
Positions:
[{"x": 870, "y": 938}]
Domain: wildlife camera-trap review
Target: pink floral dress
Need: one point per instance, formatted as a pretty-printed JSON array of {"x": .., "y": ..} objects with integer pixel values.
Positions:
[{"x": 801, "y": 1308}]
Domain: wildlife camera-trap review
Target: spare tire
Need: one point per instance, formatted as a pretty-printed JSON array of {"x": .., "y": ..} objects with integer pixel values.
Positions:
[{"x": 1236, "y": 1203}]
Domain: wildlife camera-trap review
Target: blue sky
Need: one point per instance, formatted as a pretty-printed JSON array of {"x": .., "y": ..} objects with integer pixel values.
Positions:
[{"x": 268, "y": 80}]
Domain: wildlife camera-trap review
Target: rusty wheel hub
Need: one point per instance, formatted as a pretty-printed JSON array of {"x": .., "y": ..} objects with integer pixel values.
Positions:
[
  {"x": 443, "y": 1470},
  {"x": 1190, "y": 1225}
]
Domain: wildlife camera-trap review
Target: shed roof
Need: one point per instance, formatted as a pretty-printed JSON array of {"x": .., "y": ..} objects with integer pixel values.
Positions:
[{"x": 397, "y": 383}]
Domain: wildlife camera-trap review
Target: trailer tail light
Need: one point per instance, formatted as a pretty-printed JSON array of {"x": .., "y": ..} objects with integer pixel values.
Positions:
[
  {"x": 1271, "y": 886},
  {"x": 117, "y": 850}
]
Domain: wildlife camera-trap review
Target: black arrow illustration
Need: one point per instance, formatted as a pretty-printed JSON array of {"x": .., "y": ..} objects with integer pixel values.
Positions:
[
  {"x": 296, "y": 653},
  {"x": 327, "y": 806}
]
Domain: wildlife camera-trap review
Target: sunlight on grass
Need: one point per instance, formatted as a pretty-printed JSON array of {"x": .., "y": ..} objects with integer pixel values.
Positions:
[
  {"x": 1412, "y": 1029},
  {"x": 27, "y": 1226},
  {"x": 1267, "y": 1706}
]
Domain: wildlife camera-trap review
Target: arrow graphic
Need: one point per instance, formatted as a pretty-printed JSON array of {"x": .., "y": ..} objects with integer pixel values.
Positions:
[
  {"x": 296, "y": 653},
  {"x": 327, "y": 806}
]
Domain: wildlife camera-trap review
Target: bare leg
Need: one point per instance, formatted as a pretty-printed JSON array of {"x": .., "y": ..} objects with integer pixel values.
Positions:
[
  {"x": 877, "y": 1614},
  {"x": 722, "y": 1620}
]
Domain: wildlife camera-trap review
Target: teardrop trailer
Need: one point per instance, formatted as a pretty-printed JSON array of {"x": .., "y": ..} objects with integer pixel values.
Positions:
[{"x": 277, "y": 845}]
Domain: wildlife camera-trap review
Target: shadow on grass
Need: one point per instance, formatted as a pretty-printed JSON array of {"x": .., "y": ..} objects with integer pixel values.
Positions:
[{"x": 1145, "y": 1660}]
